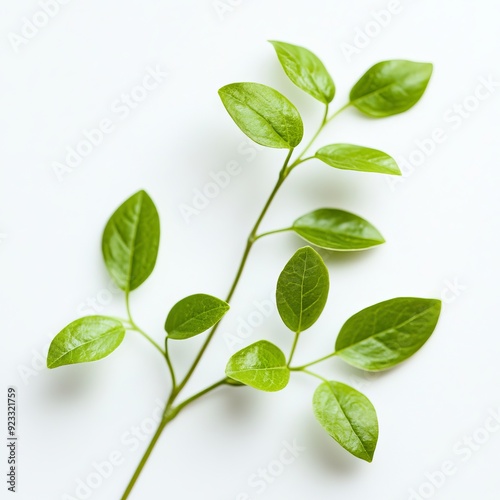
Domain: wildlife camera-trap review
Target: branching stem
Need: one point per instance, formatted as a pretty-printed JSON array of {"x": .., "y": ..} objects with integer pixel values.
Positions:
[{"x": 172, "y": 411}]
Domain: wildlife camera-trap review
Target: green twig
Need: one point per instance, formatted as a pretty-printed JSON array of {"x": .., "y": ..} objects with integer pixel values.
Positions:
[
  {"x": 170, "y": 411},
  {"x": 250, "y": 241},
  {"x": 312, "y": 374},
  {"x": 324, "y": 358},
  {"x": 136, "y": 328},
  {"x": 294, "y": 346},
  {"x": 170, "y": 366},
  {"x": 168, "y": 415},
  {"x": 276, "y": 231}
]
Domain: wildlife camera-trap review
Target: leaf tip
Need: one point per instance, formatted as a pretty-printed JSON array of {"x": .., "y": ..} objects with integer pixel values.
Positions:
[{"x": 438, "y": 303}]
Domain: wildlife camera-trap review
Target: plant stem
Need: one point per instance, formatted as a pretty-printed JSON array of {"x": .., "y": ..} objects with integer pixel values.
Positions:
[
  {"x": 298, "y": 160},
  {"x": 314, "y": 375},
  {"x": 261, "y": 235},
  {"x": 136, "y": 328},
  {"x": 326, "y": 120},
  {"x": 144, "y": 459},
  {"x": 168, "y": 415},
  {"x": 324, "y": 358},
  {"x": 201, "y": 393},
  {"x": 345, "y": 106},
  {"x": 170, "y": 411},
  {"x": 295, "y": 341},
  {"x": 170, "y": 366},
  {"x": 250, "y": 241}
]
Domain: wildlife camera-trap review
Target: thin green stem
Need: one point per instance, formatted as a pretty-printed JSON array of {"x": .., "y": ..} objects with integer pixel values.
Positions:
[
  {"x": 201, "y": 393},
  {"x": 294, "y": 346},
  {"x": 170, "y": 366},
  {"x": 344, "y": 107},
  {"x": 136, "y": 328},
  {"x": 324, "y": 121},
  {"x": 314, "y": 375},
  {"x": 144, "y": 459},
  {"x": 170, "y": 411},
  {"x": 250, "y": 241},
  {"x": 168, "y": 415},
  {"x": 276, "y": 231},
  {"x": 324, "y": 358},
  {"x": 298, "y": 162}
]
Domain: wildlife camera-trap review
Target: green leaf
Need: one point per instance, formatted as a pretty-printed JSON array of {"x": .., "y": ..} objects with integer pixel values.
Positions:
[
  {"x": 387, "y": 333},
  {"x": 87, "y": 339},
  {"x": 390, "y": 87},
  {"x": 348, "y": 416},
  {"x": 302, "y": 290},
  {"x": 194, "y": 315},
  {"x": 130, "y": 241},
  {"x": 261, "y": 365},
  {"x": 337, "y": 230},
  {"x": 351, "y": 157},
  {"x": 305, "y": 70},
  {"x": 263, "y": 114}
]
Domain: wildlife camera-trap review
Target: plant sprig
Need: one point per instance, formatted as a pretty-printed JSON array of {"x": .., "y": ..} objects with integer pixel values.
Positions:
[{"x": 376, "y": 338}]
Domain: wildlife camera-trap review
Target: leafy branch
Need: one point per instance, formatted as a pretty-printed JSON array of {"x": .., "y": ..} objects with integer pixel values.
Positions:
[{"x": 376, "y": 338}]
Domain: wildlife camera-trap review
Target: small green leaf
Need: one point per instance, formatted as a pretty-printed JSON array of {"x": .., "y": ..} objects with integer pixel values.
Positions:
[
  {"x": 302, "y": 290},
  {"x": 337, "y": 230},
  {"x": 263, "y": 114},
  {"x": 87, "y": 339},
  {"x": 351, "y": 157},
  {"x": 261, "y": 365},
  {"x": 305, "y": 70},
  {"x": 348, "y": 416},
  {"x": 387, "y": 333},
  {"x": 130, "y": 241},
  {"x": 194, "y": 315},
  {"x": 391, "y": 87}
]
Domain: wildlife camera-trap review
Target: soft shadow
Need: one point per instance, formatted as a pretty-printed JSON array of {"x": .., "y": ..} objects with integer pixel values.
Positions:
[
  {"x": 239, "y": 402},
  {"x": 359, "y": 378},
  {"x": 325, "y": 451},
  {"x": 70, "y": 382}
]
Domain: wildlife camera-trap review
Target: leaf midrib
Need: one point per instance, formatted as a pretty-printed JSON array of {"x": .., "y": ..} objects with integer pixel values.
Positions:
[
  {"x": 106, "y": 333},
  {"x": 348, "y": 421},
  {"x": 274, "y": 368},
  {"x": 396, "y": 327},
  {"x": 196, "y": 318},
  {"x": 379, "y": 90},
  {"x": 245, "y": 103},
  {"x": 310, "y": 79},
  {"x": 134, "y": 239}
]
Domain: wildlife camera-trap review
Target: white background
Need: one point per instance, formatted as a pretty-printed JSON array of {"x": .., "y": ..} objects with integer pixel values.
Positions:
[{"x": 440, "y": 223}]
